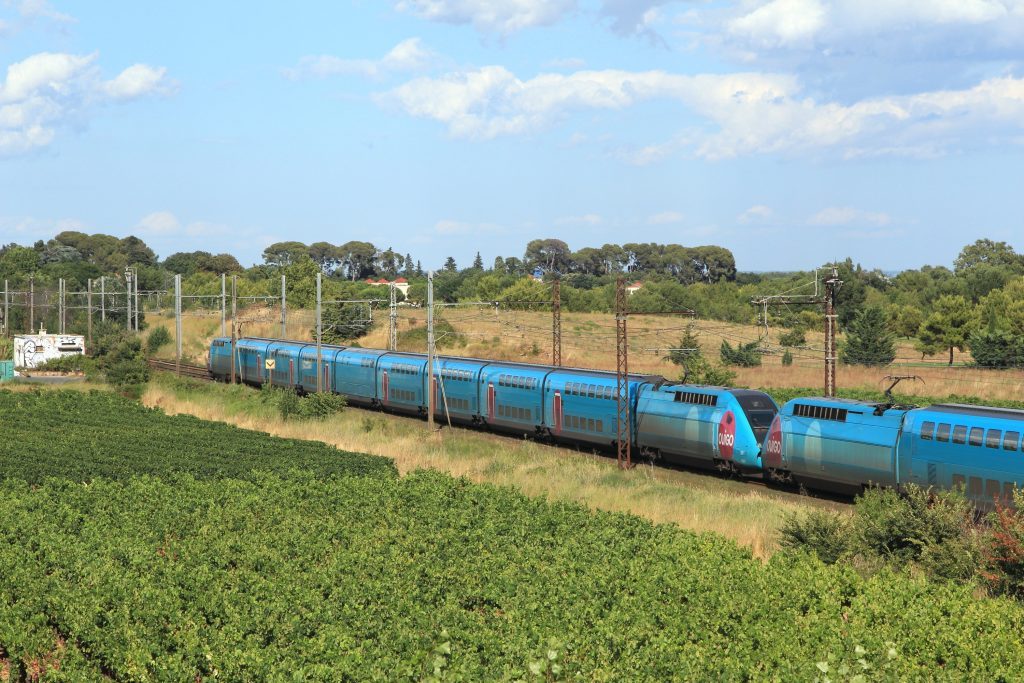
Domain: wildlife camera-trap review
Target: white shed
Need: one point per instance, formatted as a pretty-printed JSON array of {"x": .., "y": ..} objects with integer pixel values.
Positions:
[{"x": 32, "y": 350}]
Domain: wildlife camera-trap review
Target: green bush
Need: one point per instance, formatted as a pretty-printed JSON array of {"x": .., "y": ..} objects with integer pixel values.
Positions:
[
  {"x": 415, "y": 339},
  {"x": 869, "y": 340},
  {"x": 6, "y": 349},
  {"x": 824, "y": 533},
  {"x": 1004, "y": 549},
  {"x": 157, "y": 339},
  {"x": 743, "y": 355},
  {"x": 787, "y": 358},
  {"x": 343, "y": 323},
  {"x": 69, "y": 363},
  {"x": 321, "y": 406},
  {"x": 794, "y": 337}
]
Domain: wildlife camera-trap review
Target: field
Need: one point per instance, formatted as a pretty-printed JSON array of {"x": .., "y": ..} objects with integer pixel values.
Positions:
[
  {"x": 302, "y": 575},
  {"x": 589, "y": 341}
]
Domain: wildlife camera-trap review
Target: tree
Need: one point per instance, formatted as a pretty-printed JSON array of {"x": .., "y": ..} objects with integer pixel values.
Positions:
[
  {"x": 449, "y": 265},
  {"x": 948, "y": 327},
  {"x": 409, "y": 269},
  {"x": 869, "y": 341},
  {"x": 357, "y": 259},
  {"x": 905, "y": 321},
  {"x": 794, "y": 337},
  {"x": 478, "y": 262},
  {"x": 999, "y": 343},
  {"x": 345, "y": 322},
  {"x": 743, "y": 355},
  {"x": 283, "y": 254},
  {"x": 990, "y": 253},
  {"x": 325, "y": 255},
  {"x": 550, "y": 255},
  {"x": 499, "y": 265}
]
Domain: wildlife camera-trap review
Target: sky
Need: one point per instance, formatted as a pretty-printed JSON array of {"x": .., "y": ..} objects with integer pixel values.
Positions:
[{"x": 792, "y": 132}]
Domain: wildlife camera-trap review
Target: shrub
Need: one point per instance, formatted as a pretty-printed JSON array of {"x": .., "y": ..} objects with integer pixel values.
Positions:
[
  {"x": 826, "y": 534},
  {"x": 794, "y": 337},
  {"x": 743, "y": 355},
  {"x": 787, "y": 358},
  {"x": 157, "y": 339},
  {"x": 6, "y": 349},
  {"x": 69, "y": 363},
  {"x": 1004, "y": 549},
  {"x": 869, "y": 341},
  {"x": 345, "y": 322},
  {"x": 415, "y": 339},
  {"x": 321, "y": 406}
]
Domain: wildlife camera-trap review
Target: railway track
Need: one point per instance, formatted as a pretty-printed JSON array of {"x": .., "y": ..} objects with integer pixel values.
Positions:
[{"x": 184, "y": 369}]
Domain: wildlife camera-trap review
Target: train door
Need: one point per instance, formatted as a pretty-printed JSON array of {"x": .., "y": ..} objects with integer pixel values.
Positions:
[
  {"x": 490, "y": 401},
  {"x": 556, "y": 410},
  {"x": 384, "y": 382}
]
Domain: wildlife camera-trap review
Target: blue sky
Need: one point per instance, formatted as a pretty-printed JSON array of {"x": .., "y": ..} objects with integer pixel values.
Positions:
[{"x": 789, "y": 131}]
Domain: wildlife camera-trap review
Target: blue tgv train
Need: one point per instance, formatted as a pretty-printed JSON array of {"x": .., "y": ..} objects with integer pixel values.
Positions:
[
  {"x": 845, "y": 445},
  {"x": 706, "y": 426}
]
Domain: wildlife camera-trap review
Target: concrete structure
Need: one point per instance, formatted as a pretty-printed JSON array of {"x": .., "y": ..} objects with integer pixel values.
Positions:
[
  {"x": 401, "y": 284},
  {"x": 32, "y": 350}
]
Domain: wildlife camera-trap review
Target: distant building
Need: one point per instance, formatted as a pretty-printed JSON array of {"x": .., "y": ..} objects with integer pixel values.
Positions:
[
  {"x": 32, "y": 350},
  {"x": 634, "y": 288},
  {"x": 401, "y": 284}
]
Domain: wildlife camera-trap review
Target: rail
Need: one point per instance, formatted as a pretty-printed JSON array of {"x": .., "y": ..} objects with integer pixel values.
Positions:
[{"x": 184, "y": 369}]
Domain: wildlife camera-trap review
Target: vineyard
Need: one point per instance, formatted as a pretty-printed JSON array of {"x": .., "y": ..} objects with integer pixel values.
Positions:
[{"x": 194, "y": 551}]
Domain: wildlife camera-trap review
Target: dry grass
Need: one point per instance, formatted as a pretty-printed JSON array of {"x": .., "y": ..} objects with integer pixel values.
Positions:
[
  {"x": 748, "y": 514},
  {"x": 589, "y": 341}
]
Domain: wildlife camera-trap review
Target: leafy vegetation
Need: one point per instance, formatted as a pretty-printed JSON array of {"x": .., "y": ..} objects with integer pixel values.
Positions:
[
  {"x": 157, "y": 339},
  {"x": 291, "y": 406},
  {"x": 343, "y": 323},
  {"x": 82, "y": 436},
  {"x": 744, "y": 355},
  {"x": 869, "y": 341}
]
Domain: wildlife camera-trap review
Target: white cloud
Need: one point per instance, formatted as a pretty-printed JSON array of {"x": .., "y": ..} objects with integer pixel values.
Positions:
[
  {"x": 758, "y": 212},
  {"x": 408, "y": 55},
  {"x": 159, "y": 223},
  {"x": 742, "y": 113},
  {"x": 586, "y": 219},
  {"x": 41, "y": 8},
  {"x": 781, "y": 23},
  {"x": 845, "y": 215},
  {"x": 665, "y": 218},
  {"x": 47, "y": 90},
  {"x": 491, "y": 16}
]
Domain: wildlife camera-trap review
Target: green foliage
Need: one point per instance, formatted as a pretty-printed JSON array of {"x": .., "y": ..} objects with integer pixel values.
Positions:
[
  {"x": 743, "y": 355},
  {"x": 345, "y": 322},
  {"x": 948, "y": 327},
  {"x": 81, "y": 436},
  {"x": 69, "y": 363},
  {"x": 157, "y": 339},
  {"x": 415, "y": 338},
  {"x": 1004, "y": 553},
  {"x": 794, "y": 337},
  {"x": 427, "y": 577},
  {"x": 6, "y": 348},
  {"x": 291, "y": 406},
  {"x": 787, "y": 358},
  {"x": 687, "y": 349},
  {"x": 933, "y": 530},
  {"x": 905, "y": 321},
  {"x": 868, "y": 340},
  {"x": 826, "y": 534}
]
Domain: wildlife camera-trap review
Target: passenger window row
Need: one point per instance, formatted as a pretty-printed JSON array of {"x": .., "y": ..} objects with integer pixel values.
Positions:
[
  {"x": 975, "y": 436},
  {"x": 515, "y": 412},
  {"x": 517, "y": 382},
  {"x": 697, "y": 398},
  {"x": 405, "y": 369},
  {"x": 819, "y": 412},
  {"x": 588, "y": 424},
  {"x": 366, "y": 362},
  {"x": 458, "y": 404},
  {"x": 991, "y": 489},
  {"x": 456, "y": 375},
  {"x": 402, "y": 394},
  {"x": 589, "y": 390}
]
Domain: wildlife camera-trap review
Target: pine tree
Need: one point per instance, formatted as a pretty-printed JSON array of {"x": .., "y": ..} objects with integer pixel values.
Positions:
[
  {"x": 869, "y": 340},
  {"x": 449, "y": 264},
  {"x": 499, "y": 265},
  {"x": 948, "y": 327},
  {"x": 478, "y": 263},
  {"x": 410, "y": 268},
  {"x": 419, "y": 269}
]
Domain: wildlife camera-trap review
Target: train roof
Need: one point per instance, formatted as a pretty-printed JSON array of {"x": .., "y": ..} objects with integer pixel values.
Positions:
[
  {"x": 836, "y": 402},
  {"x": 978, "y": 411}
]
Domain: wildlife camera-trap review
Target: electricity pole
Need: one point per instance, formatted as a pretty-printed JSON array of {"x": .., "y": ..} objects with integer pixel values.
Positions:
[
  {"x": 135, "y": 283},
  {"x": 319, "y": 335},
  {"x": 556, "y": 323},
  {"x": 60, "y": 305},
  {"x": 7, "y": 309},
  {"x": 831, "y": 287},
  {"x": 88, "y": 306},
  {"x": 223, "y": 304},
  {"x": 284, "y": 308},
  {"x": 430, "y": 351},
  {"x": 393, "y": 320},
  {"x": 234, "y": 326},
  {"x": 103, "y": 298},
  {"x": 128, "y": 297},
  {"x": 177, "y": 323},
  {"x": 623, "y": 431},
  {"x": 31, "y": 304}
]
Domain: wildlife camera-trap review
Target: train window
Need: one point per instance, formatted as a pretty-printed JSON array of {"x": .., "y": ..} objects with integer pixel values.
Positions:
[
  {"x": 959, "y": 481},
  {"x": 992, "y": 489},
  {"x": 993, "y": 438},
  {"x": 600, "y": 426},
  {"x": 1010, "y": 441},
  {"x": 974, "y": 487},
  {"x": 927, "y": 428},
  {"x": 609, "y": 393},
  {"x": 959, "y": 434},
  {"x": 590, "y": 391},
  {"x": 590, "y": 423},
  {"x": 977, "y": 434},
  {"x": 942, "y": 432}
]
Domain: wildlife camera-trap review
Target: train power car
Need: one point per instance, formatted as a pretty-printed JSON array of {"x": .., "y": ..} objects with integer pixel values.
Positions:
[
  {"x": 708, "y": 426},
  {"x": 846, "y": 445}
]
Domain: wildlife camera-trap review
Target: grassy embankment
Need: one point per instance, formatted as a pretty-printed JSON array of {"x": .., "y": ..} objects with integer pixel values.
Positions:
[
  {"x": 749, "y": 515},
  {"x": 589, "y": 341}
]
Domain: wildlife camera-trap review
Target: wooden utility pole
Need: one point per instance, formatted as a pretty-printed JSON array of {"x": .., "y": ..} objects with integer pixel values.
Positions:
[
  {"x": 430, "y": 352},
  {"x": 623, "y": 430},
  {"x": 556, "y": 323},
  {"x": 7, "y": 309},
  {"x": 138, "y": 303}
]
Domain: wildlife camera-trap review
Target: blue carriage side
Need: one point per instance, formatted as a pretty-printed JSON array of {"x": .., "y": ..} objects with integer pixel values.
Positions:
[
  {"x": 457, "y": 394},
  {"x": 355, "y": 375},
  {"x": 512, "y": 396},
  {"x": 975, "y": 448},
  {"x": 582, "y": 405}
]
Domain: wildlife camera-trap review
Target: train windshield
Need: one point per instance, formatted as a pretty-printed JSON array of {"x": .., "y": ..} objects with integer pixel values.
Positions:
[{"x": 760, "y": 411}]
